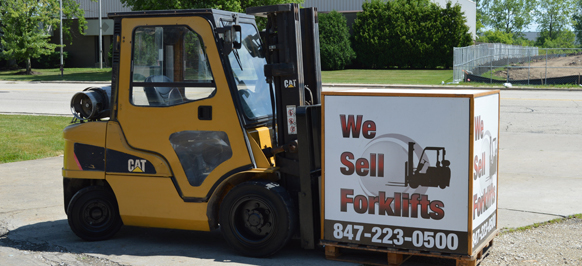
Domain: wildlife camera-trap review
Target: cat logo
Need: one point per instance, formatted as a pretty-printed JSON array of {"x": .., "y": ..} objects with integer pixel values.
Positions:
[
  {"x": 136, "y": 166},
  {"x": 290, "y": 83}
]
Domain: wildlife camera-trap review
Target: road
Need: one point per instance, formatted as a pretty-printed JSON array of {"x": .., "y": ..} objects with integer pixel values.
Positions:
[
  {"x": 540, "y": 149},
  {"x": 39, "y": 98}
]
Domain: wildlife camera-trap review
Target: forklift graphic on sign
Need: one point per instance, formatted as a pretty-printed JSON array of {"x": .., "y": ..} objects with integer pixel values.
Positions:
[{"x": 425, "y": 174}]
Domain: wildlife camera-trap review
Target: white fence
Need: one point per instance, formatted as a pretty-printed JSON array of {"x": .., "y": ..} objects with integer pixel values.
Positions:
[{"x": 478, "y": 59}]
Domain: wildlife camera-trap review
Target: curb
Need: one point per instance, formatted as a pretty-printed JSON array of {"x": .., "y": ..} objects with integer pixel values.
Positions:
[
  {"x": 56, "y": 81},
  {"x": 376, "y": 86},
  {"x": 35, "y": 114},
  {"x": 75, "y": 82}
]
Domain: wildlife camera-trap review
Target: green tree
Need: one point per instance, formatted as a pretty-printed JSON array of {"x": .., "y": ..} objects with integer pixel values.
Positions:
[
  {"x": 408, "y": 33},
  {"x": 496, "y": 36},
  {"x": 262, "y": 22},
  {"x": 563, "y": 39},
  {"x": 334, "y": 40},
  {"x": 553, "y": 16},
  {"x": 481, "y": 17},
  {"x": 522, "y": 41},
  {"x": 450, "y": 31},
  {"x": 26, "y": 24},
  {"x": 229, "y": 5},
  {"x": 510, "y": 16},
  {"x": 577, "y": 18}
]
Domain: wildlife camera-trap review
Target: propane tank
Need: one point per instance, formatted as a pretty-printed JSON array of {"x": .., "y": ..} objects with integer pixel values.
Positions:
[{"x": 92, "y": 103}]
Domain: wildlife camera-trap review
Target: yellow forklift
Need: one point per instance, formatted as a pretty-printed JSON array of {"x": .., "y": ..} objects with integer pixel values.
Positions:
[{"x": 208, "y": 123}]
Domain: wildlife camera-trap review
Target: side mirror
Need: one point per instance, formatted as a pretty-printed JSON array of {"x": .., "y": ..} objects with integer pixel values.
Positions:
[{"x": 232, "y": 38}]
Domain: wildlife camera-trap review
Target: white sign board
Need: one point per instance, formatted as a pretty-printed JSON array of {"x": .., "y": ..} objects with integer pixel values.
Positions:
[
  {"x": 396, "y": 170},
  {"x": 485, "y": 155}
]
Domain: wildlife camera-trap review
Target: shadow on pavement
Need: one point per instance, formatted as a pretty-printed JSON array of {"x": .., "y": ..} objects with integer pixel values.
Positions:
[
  {"x": 167, "y": 246},
  {"x": 55, "y": 236}
]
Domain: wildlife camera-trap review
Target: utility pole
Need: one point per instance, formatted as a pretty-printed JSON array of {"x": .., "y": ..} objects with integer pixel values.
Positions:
[
  {"x": 100, "y": 38},
  {"x": 61, "y": 32}
]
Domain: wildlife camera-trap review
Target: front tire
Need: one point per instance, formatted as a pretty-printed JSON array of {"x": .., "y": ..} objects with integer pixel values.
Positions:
[
  {"x": 413, "y": 182},
  {"x": 257, "y": 218},
  {"x": 93, "y": 214}
]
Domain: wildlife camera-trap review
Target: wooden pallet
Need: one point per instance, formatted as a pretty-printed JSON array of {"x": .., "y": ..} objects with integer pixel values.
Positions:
[{"x": 390, "y": 256}]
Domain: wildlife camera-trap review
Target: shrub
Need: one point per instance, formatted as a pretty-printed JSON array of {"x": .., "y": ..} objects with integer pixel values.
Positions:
[
  {"x": 334, "y": 41},
  {"x": 52, "y": 60},
  {"x": 408, "y": 33},
  {"x": 496, "y": 36},
  {"x": 563, "y": 39}
]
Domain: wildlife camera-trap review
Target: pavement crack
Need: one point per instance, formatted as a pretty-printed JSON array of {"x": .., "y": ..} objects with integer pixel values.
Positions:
[
  {"x": 544, "y": 213},
  {"x": 84, "y": 259},
  {"x": 29, "y": 209}
]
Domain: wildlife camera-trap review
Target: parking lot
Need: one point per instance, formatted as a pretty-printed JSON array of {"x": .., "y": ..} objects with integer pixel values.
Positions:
[{"x": 540, "y": 150}]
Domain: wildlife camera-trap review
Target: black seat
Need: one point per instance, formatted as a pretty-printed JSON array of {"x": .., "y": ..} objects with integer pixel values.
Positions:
[{"x": 162, "y": 96}]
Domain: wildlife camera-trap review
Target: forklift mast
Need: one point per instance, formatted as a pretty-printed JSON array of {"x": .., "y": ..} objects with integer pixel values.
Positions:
[
  {"x": 293, "y": 69},
  {"x": 293, "y": 65}
]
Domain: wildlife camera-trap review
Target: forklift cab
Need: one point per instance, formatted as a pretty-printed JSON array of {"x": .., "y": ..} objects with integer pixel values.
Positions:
[{"x": 186, "y": 92}]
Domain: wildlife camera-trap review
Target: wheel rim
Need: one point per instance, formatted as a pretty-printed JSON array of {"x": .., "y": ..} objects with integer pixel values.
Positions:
[
  {"x": 96, "y": 215},
  {"x": 253, "y": 219}
]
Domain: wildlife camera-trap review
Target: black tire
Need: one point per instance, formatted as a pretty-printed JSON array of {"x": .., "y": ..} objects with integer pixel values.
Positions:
[
  {"x": 93, "y": 214},
  {"x": 413, "y": 182},
  {"x": 257, "y": 218}
]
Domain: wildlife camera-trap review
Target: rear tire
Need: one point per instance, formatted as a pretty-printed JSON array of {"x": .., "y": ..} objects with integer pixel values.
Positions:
[
  {"x": 257, "y": 218},
  {"x": 93, "y": 214}
]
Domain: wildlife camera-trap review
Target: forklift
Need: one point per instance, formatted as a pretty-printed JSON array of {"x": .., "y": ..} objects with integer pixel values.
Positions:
[
  {"x": 208, "y": 123},
  {"x": 424, "y": 174}
]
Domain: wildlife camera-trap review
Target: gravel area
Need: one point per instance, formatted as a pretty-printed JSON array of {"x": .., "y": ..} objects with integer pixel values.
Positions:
[
  {"x": 556, "y": 67},
  {"x": 557, "y": 243}
]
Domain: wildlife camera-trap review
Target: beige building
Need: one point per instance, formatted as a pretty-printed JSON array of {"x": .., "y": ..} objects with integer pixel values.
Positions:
[{"x": 84, "y": 52}]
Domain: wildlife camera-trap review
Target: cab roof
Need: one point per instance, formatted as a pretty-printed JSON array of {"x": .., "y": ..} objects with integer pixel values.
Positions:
[
  {"x": 176, "y": 12},
  {"x": 213, "y": 14}
]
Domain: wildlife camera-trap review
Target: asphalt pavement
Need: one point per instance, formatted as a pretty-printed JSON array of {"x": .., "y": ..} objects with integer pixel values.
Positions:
[
  {"x": 39, "y": 98},
  {"x": 539, "y": 180}
]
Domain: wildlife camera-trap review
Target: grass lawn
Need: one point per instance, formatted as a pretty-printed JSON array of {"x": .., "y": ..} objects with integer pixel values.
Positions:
[
  {"x": 388, "y": 76},
  {"x": 364, "y": 76},
  {"x": 54, "y": 74},
  {"x": 25, "y": 137}
]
